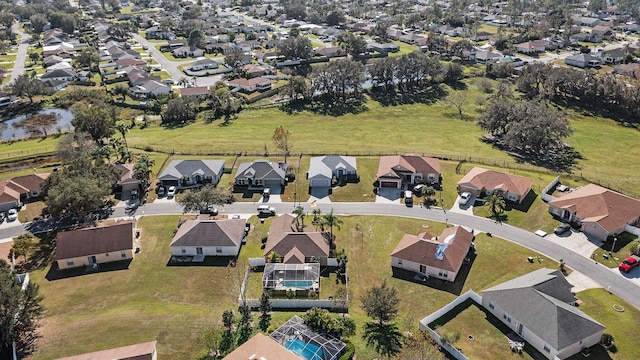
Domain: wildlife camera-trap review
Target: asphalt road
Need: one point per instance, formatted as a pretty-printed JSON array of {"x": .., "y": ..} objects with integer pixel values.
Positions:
[
  {"x": 21, "y": 55},
  {"x": 616, "y": 283}
]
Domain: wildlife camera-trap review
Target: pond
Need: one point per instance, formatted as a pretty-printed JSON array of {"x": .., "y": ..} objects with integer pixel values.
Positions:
[{"x": 17, "y": 128}]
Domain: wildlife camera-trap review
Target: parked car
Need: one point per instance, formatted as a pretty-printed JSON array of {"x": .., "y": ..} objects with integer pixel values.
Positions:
[
  {"x": 160, "y": 191},
  {"x": 12, "y": 215},
  {"x": 464, "y": 198},
  {"x": 266, "y": 210},
  {"x": 210, "y": 210},
  {"x": 563, "y": 228},
  {"x": 629, "y": 263},
  {"x": 172, "y": 192},
  {"x": 2, "y": 216}
]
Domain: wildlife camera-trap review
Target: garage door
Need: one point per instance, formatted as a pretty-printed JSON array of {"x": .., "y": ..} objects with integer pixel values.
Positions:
[
  {"x": 389, "y": 184},
  {"x": 319, "y": 183}
]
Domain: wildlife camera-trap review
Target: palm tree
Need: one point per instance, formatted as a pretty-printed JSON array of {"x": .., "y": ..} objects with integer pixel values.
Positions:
[
  {"x": 142, "y": 169},
  {"x": 317, "y": 219},
  {"x": 299, "y": 213},
  {"x": 123, "y": 128},
  {"x": 496, "y": 204},
  {"x": 273, "y": 257},
  {"x": 428, "y": 192},
  {"x": 331, "y": 220},
  {"x": 183, "y": 81}
]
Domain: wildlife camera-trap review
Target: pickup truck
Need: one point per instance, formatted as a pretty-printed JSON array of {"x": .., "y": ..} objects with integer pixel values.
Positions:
[{"x": 629, "y": 263}]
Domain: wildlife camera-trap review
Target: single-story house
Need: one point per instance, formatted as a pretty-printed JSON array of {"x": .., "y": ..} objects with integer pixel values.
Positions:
[
  {"x": 188, "y": 51},
  {"x": 632, "y": 70},
  {"x": 203, "y": 64},
  {"x": 253, "y": 70},
  {"x": 56, "y": 49},
  {"x": 402, "y": 171},
  {"x": 251, "y": 85},
  {"x": 53, "y": 86},
  {"x": 18, "y": 190},
  {"x": 150, "y": 89},
  {"x": 531, "y": 47},
  {"x": 482, "y": 182},
  {"x": 142, "y": 351},
  {"x": 61, "y": 74},
  {"x": 51, "y": 60},
  {"x": 191, "y": 173},
  {"x": 600, "y": 211},
  {"x": 613, "y": 56},
  {"x": 385, "y": 47},
  {"x": 198, "y": 91},
  {"x": 434, "y": 256},
  {"x": 123, "y": 63},
  {"x": 95, "y": 245},
  {"x": 293, "y": 246},
  {"x": 59, "y": 66},
  {"x": 585, "y": 37},
  {"x": 540, "y": 308},
  {"x": 331, "y": 51},
  {"x": 603, "y": 31},
  {"x": 586, "y": 21},
  {"x": 485, "y": 56},
  {"x": 127, "y": 182},
  {"x": 323, "y": 169},
  {"x": 209, "y": 238},
  {"x": 261, "y": 174},
  {"x": 261, "y": 346},
  {"x": 175, "y": 43},
  {"x": 582, "y": 60}
]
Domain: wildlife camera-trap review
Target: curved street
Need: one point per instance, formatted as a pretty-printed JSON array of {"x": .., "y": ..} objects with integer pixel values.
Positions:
[{"x": 604, "y": 276}]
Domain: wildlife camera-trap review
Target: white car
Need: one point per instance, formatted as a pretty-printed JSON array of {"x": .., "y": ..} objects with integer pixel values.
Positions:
[
  {"x": 464, "y": 198},
  {"x": 171, "y": 192},
  {"x": 12, "y": 215}
]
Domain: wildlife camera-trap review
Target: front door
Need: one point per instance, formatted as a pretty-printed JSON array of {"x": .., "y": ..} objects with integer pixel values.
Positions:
[
  {"x": 92, "y": 259},
  {"x": 520, "y": 330},
  {"x": 423, "y": 269}
]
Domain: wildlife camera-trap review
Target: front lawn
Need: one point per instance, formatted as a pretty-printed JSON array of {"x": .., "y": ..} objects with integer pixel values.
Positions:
[{"x": 611, "y": 256}]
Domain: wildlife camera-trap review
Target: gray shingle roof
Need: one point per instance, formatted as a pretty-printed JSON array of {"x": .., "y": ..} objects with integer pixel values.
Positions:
[
  {"x": 210, "y": 233},
  {"x": 260, "y": 169},
  {"x": 326, "y": 165},
  {"x": 179, "y": 168},
  {"x": 541, "y": 301}
]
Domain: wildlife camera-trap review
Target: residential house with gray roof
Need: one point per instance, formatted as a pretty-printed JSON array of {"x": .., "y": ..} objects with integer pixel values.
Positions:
[
  {"x": 261, "y": 174},
  {"x": 185, "y": 174},
  {"x": 209, "y": 238},
  {"x": 540, "y": 308},
  {"x": 323, "y": 169}
]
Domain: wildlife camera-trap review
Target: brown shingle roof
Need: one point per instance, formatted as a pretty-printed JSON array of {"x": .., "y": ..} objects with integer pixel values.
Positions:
[
  {"x": 143, "y": 351},
  {"x": 261, "y": 347},
  {"x": 126, "y": 174},
  {"x": 31, "y": 181},
  {"x": 8, "y": 192},
  {"x": 421, "y": 249},
  {"x": 390, "y": 166},
  {"x": 283, "y": 239},
  {"x": 194, "y": 91},
  {"x": 210, "y": 233},
  {"x": 493, "y": 180},
  {"x": 595, "y": 203},
  {"x": 11, "y": 189},
  {"x": 95, "y": 240}
]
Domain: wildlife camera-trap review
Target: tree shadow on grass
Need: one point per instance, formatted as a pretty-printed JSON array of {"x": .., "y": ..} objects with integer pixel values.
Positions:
[{"x": 426, "y": 96}]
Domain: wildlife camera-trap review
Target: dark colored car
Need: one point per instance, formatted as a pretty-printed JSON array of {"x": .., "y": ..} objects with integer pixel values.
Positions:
[
  {"x": 210, "y": 210},
  {"x": 563, "y": 228}
]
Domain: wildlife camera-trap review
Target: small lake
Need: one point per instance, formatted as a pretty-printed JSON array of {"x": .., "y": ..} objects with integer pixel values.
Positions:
[{"x": 12, "y": 129}]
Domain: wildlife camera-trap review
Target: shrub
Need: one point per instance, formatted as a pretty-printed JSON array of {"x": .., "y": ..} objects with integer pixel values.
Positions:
[
  {"x": 351, "y": 351},
  {"x": 606, "y": 339}
]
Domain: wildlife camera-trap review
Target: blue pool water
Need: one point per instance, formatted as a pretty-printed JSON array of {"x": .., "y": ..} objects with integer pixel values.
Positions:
[
  {"x": 307, "y": 351},
  {"x": 299, "y": 284}
]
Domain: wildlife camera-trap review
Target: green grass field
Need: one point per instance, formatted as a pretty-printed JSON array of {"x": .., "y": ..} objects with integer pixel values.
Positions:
[{"x": 173, "y": 304}]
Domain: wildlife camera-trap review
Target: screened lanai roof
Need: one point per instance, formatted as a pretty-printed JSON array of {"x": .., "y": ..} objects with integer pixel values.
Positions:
[
  {"x": 295, "y": 276},
  {"x": 297, "y": 337}
]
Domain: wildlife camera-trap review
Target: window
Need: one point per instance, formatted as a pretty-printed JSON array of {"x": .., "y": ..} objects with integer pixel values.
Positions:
[
  {"x": 241, "y": 182},
  {"x": 492, "y": 305},
  {"x": 443, "y": 273},
  {"x": 123, "y": 254},
  {"x": 69, "y": 261},
  {"x": 546, "y": 348},
  {"x": 423, "y": 269},
  {"x": 218, "y": 250},
  {"x": 184, "y": 251},
  {"x": 507, "y": 317},
  {"x": 399, "y": 262},
  {"x": 511, "y": 197},
  {"x": 199, "y": 251},
  {"x": 259, "y": 182}
]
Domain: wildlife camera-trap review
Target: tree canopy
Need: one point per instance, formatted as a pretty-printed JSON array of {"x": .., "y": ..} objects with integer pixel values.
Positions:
[
  {"x": 19, "y": 314},
  {"x": 98, "y": 119},
  {"x": 296, "y": 48},
  {"x": 203, "y": 198},
  {"x": 180, "y": 110},
  {"x": 27, "y": 86}
]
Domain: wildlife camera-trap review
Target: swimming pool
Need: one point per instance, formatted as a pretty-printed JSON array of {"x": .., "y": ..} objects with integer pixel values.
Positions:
[
  {"x": 306, "y": 350},
  {"x": 298, "y": 284}
]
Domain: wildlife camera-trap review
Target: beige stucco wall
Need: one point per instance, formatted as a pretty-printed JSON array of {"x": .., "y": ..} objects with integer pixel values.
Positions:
[
  {"x": 100, "y": 259},
  {"x": 430, "y": 270}
]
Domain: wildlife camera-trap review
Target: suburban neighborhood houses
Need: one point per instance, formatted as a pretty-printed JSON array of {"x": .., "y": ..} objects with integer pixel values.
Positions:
[{"x": 319, "y": 180}]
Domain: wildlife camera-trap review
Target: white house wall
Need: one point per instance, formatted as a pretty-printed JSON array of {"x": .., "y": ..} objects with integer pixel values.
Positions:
[
  {"x": 206, "y": 250},
  {"x": 100, "y": 259},
  {"x": 415, "y": 267}
]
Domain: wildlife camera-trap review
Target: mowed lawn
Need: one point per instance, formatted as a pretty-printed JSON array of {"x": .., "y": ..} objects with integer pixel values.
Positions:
[{"x": 175, "y": 304}]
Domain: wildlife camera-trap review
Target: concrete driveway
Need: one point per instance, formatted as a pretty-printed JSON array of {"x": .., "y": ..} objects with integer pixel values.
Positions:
[
  {"x": 575, "y": 241},
  {"x": 463, "y": 209},
  {"x": 388, "y": 196}
]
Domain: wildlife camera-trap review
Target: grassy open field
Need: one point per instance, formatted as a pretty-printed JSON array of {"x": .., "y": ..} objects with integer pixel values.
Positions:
[{"x": 173, "y": 304}]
